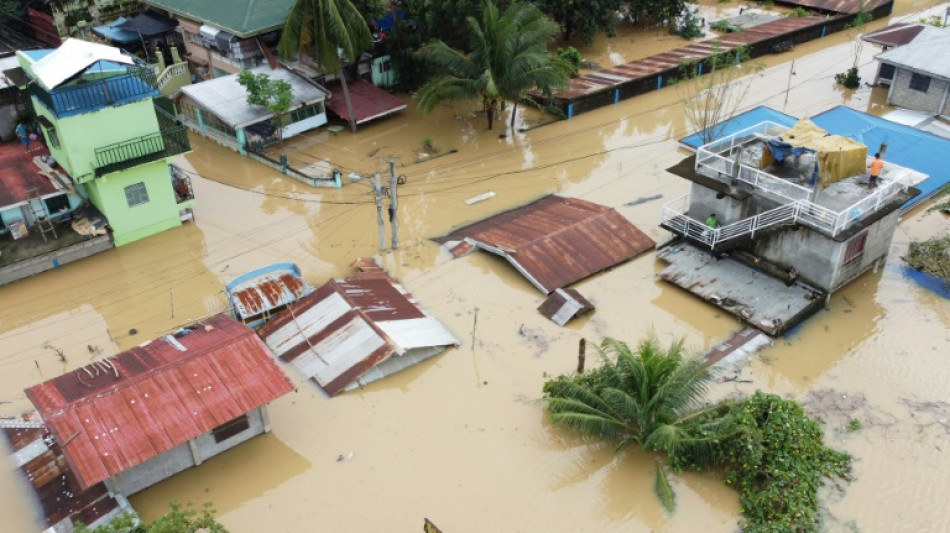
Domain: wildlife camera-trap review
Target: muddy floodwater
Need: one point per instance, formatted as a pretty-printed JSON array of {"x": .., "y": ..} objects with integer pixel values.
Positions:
[{"x": 462, "y": 438}]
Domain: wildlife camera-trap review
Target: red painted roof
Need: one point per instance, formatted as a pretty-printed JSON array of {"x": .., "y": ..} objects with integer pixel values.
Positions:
[
  {"x": 369, "y": 101},
  {"x": 160, "y": 398},
  {"x": 556, "y": 241},
  {"x": 18, "y": 173}
]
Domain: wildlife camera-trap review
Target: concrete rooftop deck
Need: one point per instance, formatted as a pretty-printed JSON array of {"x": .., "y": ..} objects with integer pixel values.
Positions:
[
  {"x": 839, "y": 195},
  {"x": 758, "y": 299}
]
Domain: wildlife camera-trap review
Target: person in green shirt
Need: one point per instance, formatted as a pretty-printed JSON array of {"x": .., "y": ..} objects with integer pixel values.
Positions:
[{"x": 712, "y": 221}]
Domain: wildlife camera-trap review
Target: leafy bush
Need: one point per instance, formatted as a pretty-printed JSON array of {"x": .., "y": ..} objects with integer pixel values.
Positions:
[
  {"x": 799, "y": 12},
  {"x": 849, "y": 78},
  {"x": 572, "y": 57},
  {"x": 688, "y": 26},
  {"x": 931, "y": 256},
  {"x": 775, "y": 458}
]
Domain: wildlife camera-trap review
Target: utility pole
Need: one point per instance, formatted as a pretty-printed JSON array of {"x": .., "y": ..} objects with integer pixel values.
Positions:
[
  {"x": 377, "y": 189},
  {"x": 791, "y": 72},
  {"x": 393, "y": 219}
]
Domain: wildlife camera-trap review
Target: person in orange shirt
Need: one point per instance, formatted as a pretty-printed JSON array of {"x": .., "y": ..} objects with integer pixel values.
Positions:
[{"x": 876, "y": 167}]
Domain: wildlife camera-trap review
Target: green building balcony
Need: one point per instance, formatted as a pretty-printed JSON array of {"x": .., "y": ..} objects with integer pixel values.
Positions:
[{"x": 134, "y": 152}]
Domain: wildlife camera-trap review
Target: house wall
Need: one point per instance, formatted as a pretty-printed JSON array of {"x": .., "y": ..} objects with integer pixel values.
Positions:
[
  {"x": 181, "y": 457},
  {"x": 813, "y": 255},
  {"x": 133, "y": 223},
  {"x": 933, "y": 101},
  {"x": 876, "y": 248},
  {"x": 80, "y": 135},
  {"x": 296, "y": 128}
]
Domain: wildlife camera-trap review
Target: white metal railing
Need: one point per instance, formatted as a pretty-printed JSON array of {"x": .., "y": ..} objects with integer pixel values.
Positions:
[
  {"x": 772, "y": 185},
  {"x": 675, "y": 215},
  {"x": 729, "y": 142}
]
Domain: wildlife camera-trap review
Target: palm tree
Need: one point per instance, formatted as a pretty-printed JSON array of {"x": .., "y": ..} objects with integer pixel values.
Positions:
[
  {"x": 649, "y": 397},
  {"x": 335, "y": 29},
  {"x": 508, "y": 58}
]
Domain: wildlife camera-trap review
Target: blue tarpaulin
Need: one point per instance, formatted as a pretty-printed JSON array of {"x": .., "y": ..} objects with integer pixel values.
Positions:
[
  {"x": 781, "y": 149},
  {"x": 114, "y": 34}
]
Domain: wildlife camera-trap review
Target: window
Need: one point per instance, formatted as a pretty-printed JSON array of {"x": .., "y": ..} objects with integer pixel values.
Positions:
[
  {"x": 230, "y": 428},
  {"x": 886, "y": 72},
  {"x": 56, "y": 204},
  {"x": 50, "y": 130},
  {"x": 855, "y": 248},
  {"x": 136, "y": 194},
  {"x": 306, "y": 112},
  {"x": 919, "y": 82}
]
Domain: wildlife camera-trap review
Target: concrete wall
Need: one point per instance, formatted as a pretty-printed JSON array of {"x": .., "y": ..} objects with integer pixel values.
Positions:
[
  {"x": 814, "y": 255},
  {"x": 703, "y": 202},
  {"x": 934, "y": 101},
  {"x": 35, "y": 265},
  {"x": 876, "y": 248},
  {"x": 181, "y": 457},
  {"x": 129, "y": 224}
]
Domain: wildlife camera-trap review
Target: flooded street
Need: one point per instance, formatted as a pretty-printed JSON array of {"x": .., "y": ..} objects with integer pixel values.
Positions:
[{"x": 461, "y": 439}]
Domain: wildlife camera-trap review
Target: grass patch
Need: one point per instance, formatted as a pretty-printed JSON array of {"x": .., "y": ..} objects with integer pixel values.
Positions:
[{"x": 931, "y": 256}]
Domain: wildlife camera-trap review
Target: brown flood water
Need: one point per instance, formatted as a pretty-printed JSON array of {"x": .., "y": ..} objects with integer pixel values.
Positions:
[{"x": 462, "y": 439}]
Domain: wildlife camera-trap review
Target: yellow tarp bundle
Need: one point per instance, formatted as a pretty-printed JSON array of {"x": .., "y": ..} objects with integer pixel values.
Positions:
[{"x": 838, "y": 157}]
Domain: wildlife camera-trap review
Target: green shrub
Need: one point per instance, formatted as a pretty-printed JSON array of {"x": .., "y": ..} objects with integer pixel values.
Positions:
[
  {"x": 572, "y": 57},
  {"x": 849, "y": 78}
]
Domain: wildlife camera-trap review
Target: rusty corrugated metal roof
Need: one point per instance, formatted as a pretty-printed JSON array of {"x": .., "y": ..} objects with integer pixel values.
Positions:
[
  {"x": 555, "y": 241},
  {"x": 642, "y": 68},
  {"x": 40, "y": 459},
  {"x": 895, "y": 34},
  {"x": 354, "y": 331},
  {"x": 155, "y": 397},
  {"x": 841, "y": 7},
  {"x": 563, "y": 305},
  {"x": 266, "y": 289}
]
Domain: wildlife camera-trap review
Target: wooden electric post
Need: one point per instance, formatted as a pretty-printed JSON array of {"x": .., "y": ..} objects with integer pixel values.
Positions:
[{"x": 393, "y": 218}]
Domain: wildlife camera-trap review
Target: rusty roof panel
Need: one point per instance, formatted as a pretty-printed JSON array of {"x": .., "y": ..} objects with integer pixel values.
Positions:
[
  {"x": 563, "y": 305},
  {"x": 555, "y": 241},
  {"x": 895, "y": 34},
  {"x": 59, "y": 494},
  {"x": 657, "y": 64},
  {"x": 155, "y": 396},
  {"x": 347, "y": 327},
  {"x": 266, "y": 289},
  {"x": 837, "y": 6}
]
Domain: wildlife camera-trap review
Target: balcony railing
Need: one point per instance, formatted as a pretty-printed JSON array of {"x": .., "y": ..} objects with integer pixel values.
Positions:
[
  {"x": 134, "y": 152},
  {"x": 91, "y": 95}
]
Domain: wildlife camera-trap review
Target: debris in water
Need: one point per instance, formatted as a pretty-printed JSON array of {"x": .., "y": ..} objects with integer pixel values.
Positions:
[
  {"x": 480, "y": 198},
  {"x": 643, "y": 200},
  {"x": 340, "y": 458},
  {"x": 133, "y": 331}
]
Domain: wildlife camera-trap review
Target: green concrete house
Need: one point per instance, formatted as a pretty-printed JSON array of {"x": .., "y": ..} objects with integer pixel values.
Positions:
[{"x": 108, "y": 127}]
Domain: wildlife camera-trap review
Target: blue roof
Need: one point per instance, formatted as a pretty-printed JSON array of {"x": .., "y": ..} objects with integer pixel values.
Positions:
[
  {"x": 742, "y": 121},
  {"x": 111, "y": 32},
  {"x": 906, "y": 146}
]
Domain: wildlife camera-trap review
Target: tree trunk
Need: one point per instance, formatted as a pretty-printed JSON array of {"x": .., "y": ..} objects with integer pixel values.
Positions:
[
  {"x": 490, "y": 114},
  {"x": 346, "y": 98},
  {"x": 514, "y": 112}
]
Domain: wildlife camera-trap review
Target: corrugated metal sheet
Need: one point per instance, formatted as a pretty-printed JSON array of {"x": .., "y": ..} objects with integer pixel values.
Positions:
[
  {"x": 54, "y": 484},
  {"x": 266, "y": 289},
  {"x": 895, "y": 34},
  {"x": 369, "y": 102},
  {"x": 556, "y": 241},
  {"x": 837, "y": 6},
  {"x": 563, "y": 305},
  {"x": 345, "y": 328},
  {"x": 653, "y": 65},
  {"x": 158, "y": 397}
]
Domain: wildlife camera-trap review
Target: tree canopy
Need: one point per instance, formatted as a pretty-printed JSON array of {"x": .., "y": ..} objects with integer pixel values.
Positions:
[{"x": 508, "y": 57}]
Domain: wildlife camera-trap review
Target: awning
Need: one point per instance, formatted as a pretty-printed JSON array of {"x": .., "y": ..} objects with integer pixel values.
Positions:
[
  {"x": 148, "y": 24},
  {"x": 369, "y": 101},
  {"x": 113, "y": 33}
]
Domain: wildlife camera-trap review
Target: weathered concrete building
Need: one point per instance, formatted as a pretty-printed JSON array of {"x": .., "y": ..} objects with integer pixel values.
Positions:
[
  {"x": 917, "y": 70},
  {"x": 793, "y": 204},
  {"x": 137, "y": 418}
]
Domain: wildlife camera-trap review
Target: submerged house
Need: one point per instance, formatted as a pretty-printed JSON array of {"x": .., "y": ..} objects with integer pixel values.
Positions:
[
  {"x": 124, "y": 423},
  {"x": 354, "y": 331},
  {"x": 796, "y": 220},
  {"x": 219, "y": 108},
  {"x": 106, "y": 125},
  {"x": 919, "y": 73}
]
